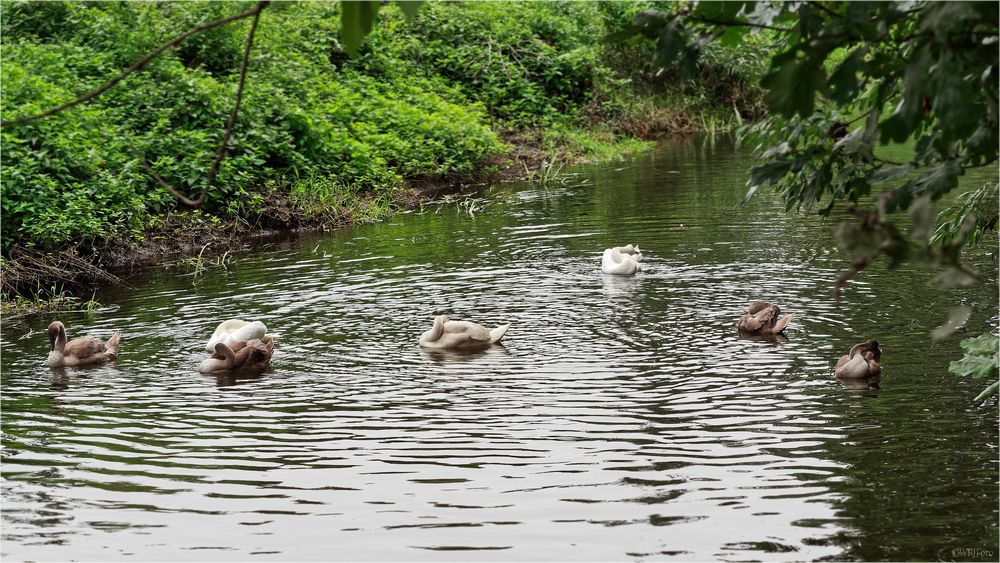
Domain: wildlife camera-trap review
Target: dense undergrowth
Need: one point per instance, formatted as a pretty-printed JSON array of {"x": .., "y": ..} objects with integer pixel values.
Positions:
[{"x": 327, "y": 135}]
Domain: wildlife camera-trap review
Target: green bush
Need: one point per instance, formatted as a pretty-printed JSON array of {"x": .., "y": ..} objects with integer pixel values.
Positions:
[{"x": 423, "y": 98}]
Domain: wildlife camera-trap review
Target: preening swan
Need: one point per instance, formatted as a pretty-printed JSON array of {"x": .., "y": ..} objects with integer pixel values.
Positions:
[
  {"x": 234, "y": 330},
  {"x": 86, "y": 350},
  {"x": 632, "y": 250},
  {"x": 460, "y": 335},
  {"x": 249, "y": 355},
  {"x": 617, "y": 262},
  {"x": 763, "y": 318},
  {"x": 861, "y": 361}
]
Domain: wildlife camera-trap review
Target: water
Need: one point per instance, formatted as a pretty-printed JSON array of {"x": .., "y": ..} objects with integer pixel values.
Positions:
[{"x": 624, "y": 419}]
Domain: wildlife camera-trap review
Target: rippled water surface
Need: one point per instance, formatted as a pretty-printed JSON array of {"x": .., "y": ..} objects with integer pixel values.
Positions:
[{"x": 623, "y": 419}]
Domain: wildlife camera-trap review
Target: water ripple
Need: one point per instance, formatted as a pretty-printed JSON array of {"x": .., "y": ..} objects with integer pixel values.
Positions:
[{"x": 622, "y": 417}]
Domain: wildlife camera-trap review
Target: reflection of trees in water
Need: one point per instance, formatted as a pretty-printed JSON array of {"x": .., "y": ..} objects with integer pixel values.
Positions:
[
  {"x": 910, "y": 479},
  {"x": 735, "y": 425}
]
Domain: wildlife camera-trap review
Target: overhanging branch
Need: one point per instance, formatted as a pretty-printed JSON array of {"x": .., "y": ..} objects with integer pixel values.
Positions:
[{"x": 255, "y": 12}]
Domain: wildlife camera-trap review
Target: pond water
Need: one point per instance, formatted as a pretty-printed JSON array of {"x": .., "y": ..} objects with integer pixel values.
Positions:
[{"x": 623, "y": 419}]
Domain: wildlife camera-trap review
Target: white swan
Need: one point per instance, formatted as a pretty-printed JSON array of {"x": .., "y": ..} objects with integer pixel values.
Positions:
[
  {"x": 234, "y": 330},
  {"x": 460, "y": 334},
  {"x": 617, "y": 262},
  {"x": 632, "y": 250}
]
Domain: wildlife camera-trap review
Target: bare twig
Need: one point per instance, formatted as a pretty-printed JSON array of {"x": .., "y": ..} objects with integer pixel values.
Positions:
[
  {"x": 139, "y": 65},
  {"x": 224, "y": 146},
  {"x": 824, "y": 8},
  {"x": 23, "y": 267},
  {"x": 220, "y": 153},
  {"x": 713, "y": 21},
  {"x": 887, "y": 161},
  {"x": 859, "y": 118},
  {"x": 183, "y": 199}
]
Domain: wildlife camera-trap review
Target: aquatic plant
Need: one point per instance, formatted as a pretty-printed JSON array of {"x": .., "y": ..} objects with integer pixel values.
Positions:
[{"x": 198, "y": 265}]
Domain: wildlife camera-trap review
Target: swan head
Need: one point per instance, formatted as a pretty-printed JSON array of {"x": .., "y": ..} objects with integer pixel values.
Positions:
[
  {"x": 55, "y": 329},
  {"x": 874, "y": 368}
]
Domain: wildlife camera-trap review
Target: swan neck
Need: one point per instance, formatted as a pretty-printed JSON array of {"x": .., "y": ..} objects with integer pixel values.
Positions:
[
  {"x": 57, "y": 340},
  {"x": 438, "y": 330},
  {"x": 227, "y": 354}
]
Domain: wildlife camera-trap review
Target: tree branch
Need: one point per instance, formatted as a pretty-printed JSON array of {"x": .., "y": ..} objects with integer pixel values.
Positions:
[
  {"x": 183, "y": 199},
  {"x": 224, "y": 146},
  {"x": 824, "y": 8},
  {"x": 887, "y": 161},
  {"x": 255, "y": 11},
  {"x": 702, "y": 19},
  {"x": 220, "y": 153}
]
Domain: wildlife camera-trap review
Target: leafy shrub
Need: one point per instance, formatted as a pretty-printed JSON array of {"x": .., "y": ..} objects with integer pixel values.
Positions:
[{"x": 422, "y": 99}]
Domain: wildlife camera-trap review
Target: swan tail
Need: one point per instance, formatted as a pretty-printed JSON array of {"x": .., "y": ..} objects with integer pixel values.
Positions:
[
  {"x": 782, "y": 323},
  {"x": 111, "y": 348},
  {"x": 498, "y": 333}
]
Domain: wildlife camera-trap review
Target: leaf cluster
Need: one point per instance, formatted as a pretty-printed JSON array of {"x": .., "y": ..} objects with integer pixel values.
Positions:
[
  {"x": 981, "y": 360},
  {"x": 846, "y": 79}
]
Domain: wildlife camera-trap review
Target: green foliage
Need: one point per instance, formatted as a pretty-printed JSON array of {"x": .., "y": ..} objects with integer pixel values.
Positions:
[
  {"x": 847, "y": 77},
  {"x": 77, "y": 176},
  {"x": 359, "y": 16},
  {"x": 422, "y": 96},
  {"x": 595, "y": 143},
  {"x": 982, "y": 359},
  {"x": 528, "y": 63},
  {"x": 974, "y": 214},
  {"x": 46, "y": 300}
]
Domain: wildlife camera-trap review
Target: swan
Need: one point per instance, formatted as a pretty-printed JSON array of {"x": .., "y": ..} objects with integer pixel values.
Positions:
[
  {"x": 763, "y": 318},
  {"x": 234, "y": 330},
  {"x": 861, "y": 361},
  {"x": 460, "y": 334},
  {"x": 82, "y": 351},
  {"x": 632, "y": 250},
  {"x": 251, "y": 354},
  {"x": 616, "y": 262}
]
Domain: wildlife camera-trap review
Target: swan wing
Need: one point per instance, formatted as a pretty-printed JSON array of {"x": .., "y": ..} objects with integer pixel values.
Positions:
[
  {"x": 631, "y": 250},
  {"x": 221, "y": 331},
  {"x": 614, "y": 262},
  {"x": 250, "y": 331},
  {"x": 749, "y": 323},
  {"x": 469, "y": 330},
  {"x": 458, "y": 334},
  {"x": 852, "y": 367},
  {"x": 84, "y": 347},
  {"x": 782, "y": 323},
  {"x": 235, "y": 330}
]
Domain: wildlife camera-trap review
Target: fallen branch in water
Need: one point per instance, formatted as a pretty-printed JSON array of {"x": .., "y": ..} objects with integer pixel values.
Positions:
[{"x": 23, "y": 268}]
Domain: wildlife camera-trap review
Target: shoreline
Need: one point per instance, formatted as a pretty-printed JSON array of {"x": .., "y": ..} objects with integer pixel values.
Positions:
[{"x": 38, "y": 281}]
